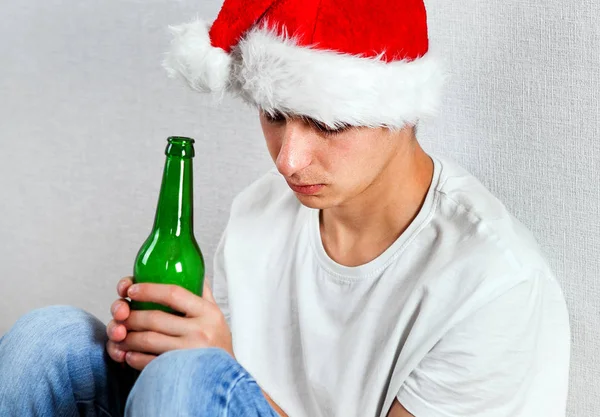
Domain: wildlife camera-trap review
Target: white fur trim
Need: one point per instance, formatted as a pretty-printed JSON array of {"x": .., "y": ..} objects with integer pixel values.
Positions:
[
  {"x": 192, "y": 57},
  {"x": 276, "y": 74}
]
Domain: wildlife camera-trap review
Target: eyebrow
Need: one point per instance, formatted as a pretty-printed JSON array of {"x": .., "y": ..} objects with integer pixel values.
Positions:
[
  {"x": 312, "y": 120},
  {"x": 307, "y": 119}
]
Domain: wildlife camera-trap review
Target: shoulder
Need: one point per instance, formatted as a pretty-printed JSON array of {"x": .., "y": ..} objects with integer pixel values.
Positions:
[
  {"x": 265, "y": 196},
  {"x": 479, "y": 249},
  {"x": 264, "y": 211},
  {"x": 480, "y": 224}
]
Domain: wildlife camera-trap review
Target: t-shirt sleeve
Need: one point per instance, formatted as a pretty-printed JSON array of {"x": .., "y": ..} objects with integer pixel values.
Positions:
[
  {"x": 219, "y": 284},
  {"x": 510, "y": 358}
]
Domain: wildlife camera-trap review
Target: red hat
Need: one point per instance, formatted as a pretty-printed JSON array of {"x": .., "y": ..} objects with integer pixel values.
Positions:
[{"x": 341, "y": 62}]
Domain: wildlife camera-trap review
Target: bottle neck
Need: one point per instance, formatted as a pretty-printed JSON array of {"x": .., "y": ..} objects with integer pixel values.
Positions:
[{"x": 175, "y": 210}]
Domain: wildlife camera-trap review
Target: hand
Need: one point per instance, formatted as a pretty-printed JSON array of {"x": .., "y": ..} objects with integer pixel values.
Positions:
[
  {"x": 115, "y": 330},
  {"x": 151, "y": 333}
]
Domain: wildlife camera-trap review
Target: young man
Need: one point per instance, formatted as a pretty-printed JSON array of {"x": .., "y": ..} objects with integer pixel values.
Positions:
[{"x": 361, "y": 277}]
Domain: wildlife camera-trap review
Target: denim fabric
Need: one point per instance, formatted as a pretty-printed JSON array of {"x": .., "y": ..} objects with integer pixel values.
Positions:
[{"x": 53, "y": 362}]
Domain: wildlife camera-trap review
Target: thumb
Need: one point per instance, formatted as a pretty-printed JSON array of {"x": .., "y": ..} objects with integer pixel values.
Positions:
[{"x": 207, "y": 293}]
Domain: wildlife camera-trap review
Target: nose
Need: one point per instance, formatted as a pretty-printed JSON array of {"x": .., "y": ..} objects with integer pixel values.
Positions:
[{"x": 295, "y": 152}]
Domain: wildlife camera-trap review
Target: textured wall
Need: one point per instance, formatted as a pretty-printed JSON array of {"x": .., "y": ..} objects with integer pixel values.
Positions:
[
  {"x": 85, "y": 110},
  {"x": 523, "y": 114}
]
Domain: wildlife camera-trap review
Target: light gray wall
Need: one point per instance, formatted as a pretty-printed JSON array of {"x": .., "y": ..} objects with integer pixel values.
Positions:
[{"x": 85, "y": 110}]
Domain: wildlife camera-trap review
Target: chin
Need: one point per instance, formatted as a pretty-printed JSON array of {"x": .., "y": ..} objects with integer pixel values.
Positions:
[{"x": 315, "y": 202}]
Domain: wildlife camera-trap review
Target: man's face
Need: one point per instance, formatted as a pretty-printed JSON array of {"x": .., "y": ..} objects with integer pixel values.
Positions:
[{"x": 328, "y": 168}]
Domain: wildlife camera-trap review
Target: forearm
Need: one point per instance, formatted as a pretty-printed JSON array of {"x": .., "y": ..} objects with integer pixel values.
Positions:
[{"x": 273, "y": 405}]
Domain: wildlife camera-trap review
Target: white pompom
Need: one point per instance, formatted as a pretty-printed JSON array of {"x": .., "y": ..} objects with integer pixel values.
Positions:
[{"x": 204, "y": 67}]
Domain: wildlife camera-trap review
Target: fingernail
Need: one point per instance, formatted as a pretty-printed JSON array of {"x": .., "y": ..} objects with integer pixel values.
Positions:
[
  {"x": 133, "y": 290},
  {"x": 115, "y": 308},
  {"x": 128, "y": 356},
  {"x": 112, "y": 331}
]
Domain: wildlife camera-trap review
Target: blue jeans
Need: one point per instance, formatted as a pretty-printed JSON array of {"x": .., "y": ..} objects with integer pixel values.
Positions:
[{"x": 53, "y": 362}]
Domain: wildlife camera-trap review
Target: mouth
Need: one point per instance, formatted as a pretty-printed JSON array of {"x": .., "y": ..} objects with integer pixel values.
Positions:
[{"x": 306, "y": 189}]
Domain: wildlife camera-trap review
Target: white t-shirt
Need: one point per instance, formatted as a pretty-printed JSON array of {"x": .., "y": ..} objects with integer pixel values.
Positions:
[{"x": 460, "y": 317}]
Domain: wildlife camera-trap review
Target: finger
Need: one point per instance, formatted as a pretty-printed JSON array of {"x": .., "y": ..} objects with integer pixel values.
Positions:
[
  {"x": 207, "y": 292},
  {"x": 156, "y": 321},
  {"x": 123, "y": 285},
  {"x": 114, "y": 352},
  {"x": 139, "y": 360},
  {"x": 173, "y": 296},
  {"x": 120, "y": 310},
  {"x": 116, "y": 332},
  {"x": 149, "y": 342}
]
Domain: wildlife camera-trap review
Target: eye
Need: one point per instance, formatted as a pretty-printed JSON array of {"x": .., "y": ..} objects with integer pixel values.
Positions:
[
  {"x": 274, "y": 118},
  {"x": 326, "y": 130}
]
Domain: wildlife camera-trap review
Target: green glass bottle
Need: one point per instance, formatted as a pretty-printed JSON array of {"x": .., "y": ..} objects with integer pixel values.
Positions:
[{"x": 171, "y": 254}]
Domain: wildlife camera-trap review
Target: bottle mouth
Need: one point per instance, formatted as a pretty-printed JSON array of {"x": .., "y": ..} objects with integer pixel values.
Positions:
[
  {"x": 180, "y": 140},
  {"x": 180, "y": 146}
]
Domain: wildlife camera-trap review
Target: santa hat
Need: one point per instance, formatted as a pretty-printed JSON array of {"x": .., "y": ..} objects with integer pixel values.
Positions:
[{"x": 341, "y": 62}]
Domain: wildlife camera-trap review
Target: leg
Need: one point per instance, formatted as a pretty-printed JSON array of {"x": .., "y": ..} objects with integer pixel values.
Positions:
[
  {"x": 53, "y": 363},
  {"x": 199, "y": 383}
]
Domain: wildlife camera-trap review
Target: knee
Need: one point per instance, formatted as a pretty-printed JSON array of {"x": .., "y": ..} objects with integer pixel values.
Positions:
[
  {"x": 52, "y": 352},
  {"x": 184, "y": 377},
  {"x": 196, "y": 367},
  {"x": 51, "y": 332}
]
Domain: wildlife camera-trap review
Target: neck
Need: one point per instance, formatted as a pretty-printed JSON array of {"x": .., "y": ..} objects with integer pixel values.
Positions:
[
  {"x": 174, "y": 214},
  {"x": 359, "y": 230}
]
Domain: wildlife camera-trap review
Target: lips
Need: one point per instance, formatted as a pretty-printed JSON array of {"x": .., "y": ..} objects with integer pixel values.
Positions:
[{"x": 306, "y": 189}]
